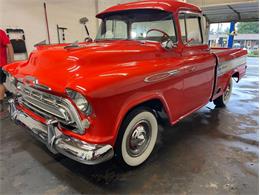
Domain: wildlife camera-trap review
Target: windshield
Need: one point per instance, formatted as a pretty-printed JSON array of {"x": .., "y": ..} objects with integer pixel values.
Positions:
[{"x": 135, "y": 24}]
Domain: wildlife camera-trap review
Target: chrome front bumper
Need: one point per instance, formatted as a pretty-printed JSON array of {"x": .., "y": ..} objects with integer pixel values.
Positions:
[{"x": 57, "y": 142}]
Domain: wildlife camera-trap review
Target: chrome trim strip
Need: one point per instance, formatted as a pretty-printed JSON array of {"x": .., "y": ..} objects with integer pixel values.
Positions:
[
  {"x": 57, "y": 142},
  {"x": 44, "y": 87},
  {"x": 161, "y": 76},
  {"x": 34, "y": 82},
  {"x": 231, "y": 64}
]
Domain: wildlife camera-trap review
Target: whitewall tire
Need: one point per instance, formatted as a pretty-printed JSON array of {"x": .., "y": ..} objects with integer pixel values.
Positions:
[
  {"x": 137, "y": 137},
  {"x": 224, "y": 98}
]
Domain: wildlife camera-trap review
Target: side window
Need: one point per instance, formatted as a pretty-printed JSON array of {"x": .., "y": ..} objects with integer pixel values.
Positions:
[{"x": 190, "y": 25}]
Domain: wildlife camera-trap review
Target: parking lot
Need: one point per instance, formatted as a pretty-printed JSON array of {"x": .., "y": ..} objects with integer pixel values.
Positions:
[{"x": 212, "y": 151}]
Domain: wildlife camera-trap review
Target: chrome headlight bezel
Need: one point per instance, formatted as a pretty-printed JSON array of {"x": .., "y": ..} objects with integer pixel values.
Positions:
[{"x": 80, "y": 101}]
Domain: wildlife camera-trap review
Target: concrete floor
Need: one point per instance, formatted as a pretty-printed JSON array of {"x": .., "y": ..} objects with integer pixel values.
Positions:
[{"x": 213, "y": 151}]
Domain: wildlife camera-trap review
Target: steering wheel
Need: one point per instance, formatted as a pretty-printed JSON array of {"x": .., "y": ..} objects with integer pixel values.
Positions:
[{"x": 163, "y": 38}]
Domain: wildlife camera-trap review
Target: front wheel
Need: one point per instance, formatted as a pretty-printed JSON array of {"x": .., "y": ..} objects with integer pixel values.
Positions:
[
  {"x": 222, "y": 100},
  {"x": 137, "y": 137}
]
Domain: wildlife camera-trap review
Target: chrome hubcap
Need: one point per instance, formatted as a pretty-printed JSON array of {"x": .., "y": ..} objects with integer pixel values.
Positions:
[{"x": 139, "y": 138}]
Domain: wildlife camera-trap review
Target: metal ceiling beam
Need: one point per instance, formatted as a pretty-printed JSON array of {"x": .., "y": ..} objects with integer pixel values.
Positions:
[
  {"x": 225, "y": 21},
  {"x": 235, "y": 11},
  {"x": 213, "y": 3}
]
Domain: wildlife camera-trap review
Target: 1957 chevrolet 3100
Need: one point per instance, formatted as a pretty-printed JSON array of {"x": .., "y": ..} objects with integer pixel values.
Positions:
[{"x": 98, "y": 99}]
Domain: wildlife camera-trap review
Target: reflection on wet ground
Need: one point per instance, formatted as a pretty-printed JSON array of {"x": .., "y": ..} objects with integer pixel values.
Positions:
[{"x": 212, "y": 151}]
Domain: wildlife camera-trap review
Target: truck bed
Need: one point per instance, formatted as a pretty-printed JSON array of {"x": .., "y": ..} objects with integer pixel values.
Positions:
[{"x": 230, "y": 62}]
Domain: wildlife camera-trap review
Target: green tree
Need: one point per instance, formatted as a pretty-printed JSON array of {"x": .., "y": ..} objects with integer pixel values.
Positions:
[{"x": 248, "y": 27}]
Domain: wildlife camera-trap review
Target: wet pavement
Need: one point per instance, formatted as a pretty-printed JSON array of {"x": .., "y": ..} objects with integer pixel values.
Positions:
[{"x": 213, "y": 151}]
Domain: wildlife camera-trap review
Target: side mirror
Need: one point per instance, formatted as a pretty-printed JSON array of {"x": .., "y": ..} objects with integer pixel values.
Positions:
[
  {"x": 83, "y": 20},
  {"x": 168, "y": 44}
]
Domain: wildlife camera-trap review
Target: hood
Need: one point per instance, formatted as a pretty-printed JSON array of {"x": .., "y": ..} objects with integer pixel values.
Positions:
[{"x": 60, "y": 68}]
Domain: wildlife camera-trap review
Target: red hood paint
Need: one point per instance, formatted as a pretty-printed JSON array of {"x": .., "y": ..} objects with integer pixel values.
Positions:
[{"x": 89, "y": 67}]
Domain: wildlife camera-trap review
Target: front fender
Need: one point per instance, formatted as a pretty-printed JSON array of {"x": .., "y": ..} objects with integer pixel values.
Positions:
[{"x": 136, "y": 100}]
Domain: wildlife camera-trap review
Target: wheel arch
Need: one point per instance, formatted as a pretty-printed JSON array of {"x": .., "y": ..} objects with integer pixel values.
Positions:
[{"x": 155, "y": 102}]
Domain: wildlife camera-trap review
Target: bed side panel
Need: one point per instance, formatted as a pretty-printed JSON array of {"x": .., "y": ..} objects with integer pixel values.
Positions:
[{"x": 230, "y": 61}]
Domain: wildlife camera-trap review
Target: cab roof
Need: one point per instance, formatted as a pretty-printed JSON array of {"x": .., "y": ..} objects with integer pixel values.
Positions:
[{"x": 165, "y": 5}]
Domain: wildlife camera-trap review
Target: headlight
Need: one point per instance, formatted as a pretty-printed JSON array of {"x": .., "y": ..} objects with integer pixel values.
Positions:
[{"x": 80, "y": 101}]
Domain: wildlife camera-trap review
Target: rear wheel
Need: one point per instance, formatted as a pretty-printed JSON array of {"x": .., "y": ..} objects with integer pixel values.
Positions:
[
  {"x": 222, "y": 100},
  {"x": 137, "y": 137}
]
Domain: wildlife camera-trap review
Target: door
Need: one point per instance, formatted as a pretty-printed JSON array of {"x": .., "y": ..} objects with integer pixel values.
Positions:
[{"x": 198, "y": 62}]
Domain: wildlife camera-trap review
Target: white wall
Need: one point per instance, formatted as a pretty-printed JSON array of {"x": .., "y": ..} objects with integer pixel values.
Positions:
[
  {"x": 67, "y": 13},
  {"x": 104, "y": 4},
  {"x": 26, "y": 14},
  {"x": 29, "y": 15}
]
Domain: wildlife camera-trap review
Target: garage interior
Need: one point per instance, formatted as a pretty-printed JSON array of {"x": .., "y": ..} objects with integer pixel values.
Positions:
[{"x": 212, "y": 151}]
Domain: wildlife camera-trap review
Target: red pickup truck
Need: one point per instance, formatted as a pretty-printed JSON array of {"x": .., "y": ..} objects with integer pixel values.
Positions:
[{"x": 98, "y": 99}]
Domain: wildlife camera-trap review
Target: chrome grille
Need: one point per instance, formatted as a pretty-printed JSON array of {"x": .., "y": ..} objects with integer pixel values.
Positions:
[
  {"x": 47, "y": 105},
  {"x": 50, "y": 107}
]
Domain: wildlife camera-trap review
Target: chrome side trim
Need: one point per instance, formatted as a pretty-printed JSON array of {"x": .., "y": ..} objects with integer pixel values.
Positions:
[
  {"x": 57, "y": 142},
  {"x": 161, "y": 76},
  {"x": 231, "y": 64}
]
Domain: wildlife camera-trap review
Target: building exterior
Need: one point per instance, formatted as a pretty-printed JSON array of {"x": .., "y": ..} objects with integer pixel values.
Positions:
[{"x": 248, "y": 41}]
